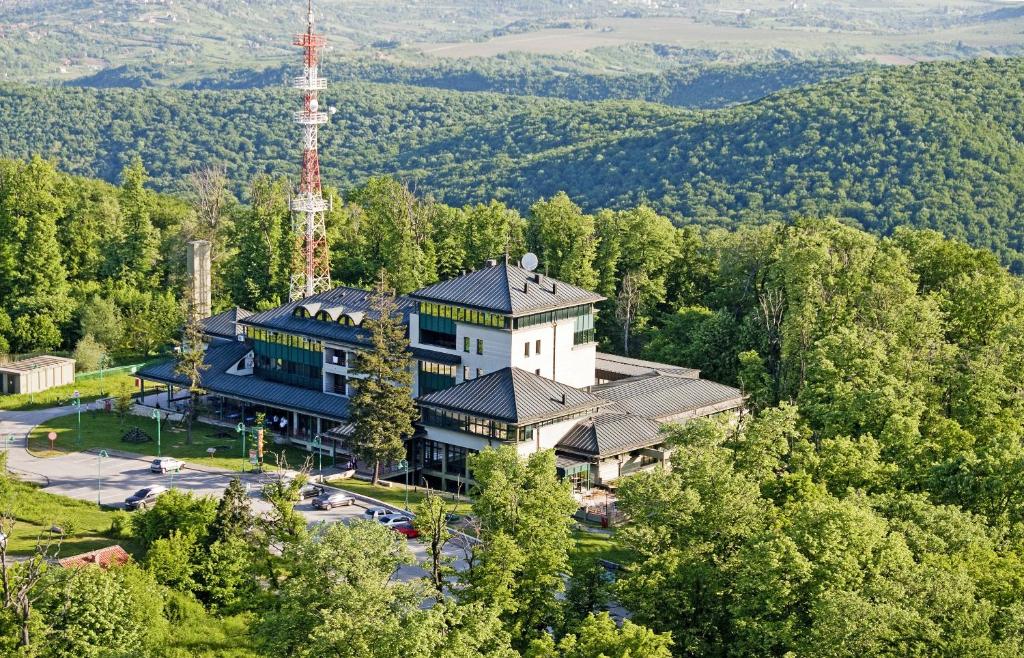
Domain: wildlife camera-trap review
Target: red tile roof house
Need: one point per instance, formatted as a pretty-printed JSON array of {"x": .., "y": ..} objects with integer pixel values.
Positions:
[{"x": 104, "y": 558}]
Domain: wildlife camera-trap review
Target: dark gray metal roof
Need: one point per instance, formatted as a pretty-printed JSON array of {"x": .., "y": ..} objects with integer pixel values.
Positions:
[
  {"x": 514, "y": 396},
  {"x": 611, "y": 433},
  {"x": 507, "y": 289},
  {"x": 664, "y": 396},
  {"x": 354, "y": 302},
  {"x": 222, "y": 325},
  {"x": 629, "y": 367},
  {"x": 222, "y": 356},
  {"x": 437, "y": 357}
]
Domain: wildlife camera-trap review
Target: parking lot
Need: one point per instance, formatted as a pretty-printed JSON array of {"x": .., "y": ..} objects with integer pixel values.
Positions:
[{"x": 87, "y": 476}]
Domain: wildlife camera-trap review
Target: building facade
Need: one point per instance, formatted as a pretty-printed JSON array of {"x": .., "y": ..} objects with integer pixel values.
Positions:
[{"x": 500, "y": 356}]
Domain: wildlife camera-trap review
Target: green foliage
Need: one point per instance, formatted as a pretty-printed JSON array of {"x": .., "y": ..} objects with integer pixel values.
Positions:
[
  {"x": 171, "y": 560},
  {"x": 94, "y": 612},
  {"x": 382, "y": 407},
  {"x": 175, "y": 510},
  {"x": 588, "y": 591},
  {"x": 598, "y": 635},
  {"x": 263, "y": 243},
  {"x": 565, "y": 240},
  {"x": 432, "y": 522},
  {"x": 88, "y": 354},
  {"x": 525, "y": 520},
  {"x": 347, "y": 571},
  {"x": 101, "y": 319}
]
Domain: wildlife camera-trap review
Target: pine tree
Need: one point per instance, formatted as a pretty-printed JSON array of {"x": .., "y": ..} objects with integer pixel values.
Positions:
[
  {"x": 234, "y": 516},
  {"x": 382, "y": 408}
]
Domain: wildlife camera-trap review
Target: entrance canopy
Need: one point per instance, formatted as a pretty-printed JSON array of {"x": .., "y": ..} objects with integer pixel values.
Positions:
[{"x": 569, "y": 466}]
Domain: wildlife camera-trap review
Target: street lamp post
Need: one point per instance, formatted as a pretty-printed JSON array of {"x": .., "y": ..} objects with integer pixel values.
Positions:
[
  {"x": 318, "y": 444},
  {"x": 156, "y": 415},
  {"x": 76, "y": 402},
  {"x": 404, "y": 465},
  {"x": 99, "y": 477},
  {"x": 241, "y": 429}
]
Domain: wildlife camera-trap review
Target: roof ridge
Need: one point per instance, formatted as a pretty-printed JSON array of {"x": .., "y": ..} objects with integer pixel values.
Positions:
[
  {"x": 508, "y": 284},
  {"x": 515, "y": 398}
]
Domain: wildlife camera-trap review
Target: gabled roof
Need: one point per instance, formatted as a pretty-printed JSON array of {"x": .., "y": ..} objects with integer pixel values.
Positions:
[
  {"x": 221, "y": 357},
  {"x": 512, "y": 395},
  {"x": 665, "y": 397},
  {"x": 610, "y": 434},
  {"x": 352, "y": 302},
  {"x": 507, "y": 289},
  {"x": 222, "y": 325},
  {"x": 104, "y": 558}
]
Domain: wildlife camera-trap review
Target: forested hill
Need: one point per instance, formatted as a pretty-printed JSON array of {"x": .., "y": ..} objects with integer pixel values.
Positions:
[
  {"x": 702, "y": 85},
  {"x": 934, "y": 145}
]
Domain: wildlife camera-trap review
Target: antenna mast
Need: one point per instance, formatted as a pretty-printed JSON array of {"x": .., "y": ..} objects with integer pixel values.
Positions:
[{"x": 308, "y": 205}]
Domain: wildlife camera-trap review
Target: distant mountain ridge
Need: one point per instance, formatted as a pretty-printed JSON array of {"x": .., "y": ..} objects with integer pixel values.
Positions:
[{"x": 935, "y": 145}]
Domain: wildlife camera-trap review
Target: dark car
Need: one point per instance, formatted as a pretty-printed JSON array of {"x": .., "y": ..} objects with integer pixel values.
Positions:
[
  {"x": 310, "y": 491},
  {"x": 332, "y": 500},
  {"x": 143, "y": 498}
]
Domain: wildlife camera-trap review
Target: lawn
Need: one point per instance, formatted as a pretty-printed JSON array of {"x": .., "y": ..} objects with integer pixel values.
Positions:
[
  {"x": 89, "y": 389},
  {"x": 393, "y": 496},
  {"x": 104, "y": 430},
  {"x": 87, "y": 527},
  {"x": 601, "y": 546}
]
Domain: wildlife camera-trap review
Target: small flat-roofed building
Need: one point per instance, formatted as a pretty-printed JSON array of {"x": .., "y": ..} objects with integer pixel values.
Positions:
[{"x": 36, "y": 374}]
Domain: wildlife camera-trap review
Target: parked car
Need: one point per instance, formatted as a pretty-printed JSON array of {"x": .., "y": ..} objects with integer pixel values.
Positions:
[
  {"x": 374, "y": 513},
  {"x": 330, "y": 501},
  {"x": 310, "y": 491},
  {"x": 143, "y": 498},
  {"x": 165, "y": 464},
  {"x": 408, "y": 530},
  {"x": 392, "y": 520}
]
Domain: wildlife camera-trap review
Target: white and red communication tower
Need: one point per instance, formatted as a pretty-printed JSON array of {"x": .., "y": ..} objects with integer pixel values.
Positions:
[{"x": 308, "y": 204}]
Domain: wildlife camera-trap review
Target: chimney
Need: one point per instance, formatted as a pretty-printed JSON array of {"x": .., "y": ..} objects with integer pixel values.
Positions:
[
  {"x": 554, "y": 287},
  {"x": 536, "y": 277},
  {"x": 563, "y": 398},
  {"x": 526, "y": 287},
  {"x": 492, "y": 263},
  {"x": 199, "y": 278}
]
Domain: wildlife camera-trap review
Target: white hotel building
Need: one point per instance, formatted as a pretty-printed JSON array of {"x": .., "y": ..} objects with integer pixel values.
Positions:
[{"x": 501, "y": 355}]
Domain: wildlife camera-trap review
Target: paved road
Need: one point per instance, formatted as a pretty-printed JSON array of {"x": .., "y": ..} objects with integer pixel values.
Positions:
[{"x": 85, "y": 476}]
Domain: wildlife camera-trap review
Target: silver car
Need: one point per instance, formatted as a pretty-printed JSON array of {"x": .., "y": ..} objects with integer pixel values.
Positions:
[
  {"x": 392, "y": 520},
  {"x": 374, "y": 513}
]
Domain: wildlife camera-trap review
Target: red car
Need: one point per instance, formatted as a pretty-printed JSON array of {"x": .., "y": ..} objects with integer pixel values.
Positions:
[{"x": 406, "y": 529}]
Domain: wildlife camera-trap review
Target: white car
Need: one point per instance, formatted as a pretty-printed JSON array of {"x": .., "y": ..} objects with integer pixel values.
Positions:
[
  {"x": 166, "y": 464},
  {"x": 392, "y": 520}
]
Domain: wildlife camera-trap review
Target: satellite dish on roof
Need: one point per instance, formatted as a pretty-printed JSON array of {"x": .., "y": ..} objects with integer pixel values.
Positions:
[{"x": 530, "y": 261}]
